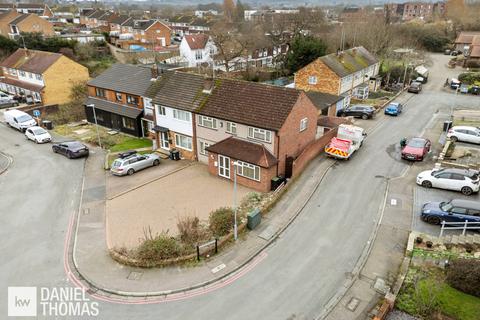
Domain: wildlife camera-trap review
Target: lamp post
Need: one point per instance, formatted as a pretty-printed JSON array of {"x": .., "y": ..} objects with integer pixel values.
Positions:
[
  {"x": 96, "y": 124},
  {"x": 235, "y": 232}
]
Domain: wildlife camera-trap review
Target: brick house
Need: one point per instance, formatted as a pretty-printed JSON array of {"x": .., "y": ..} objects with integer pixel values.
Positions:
[
  {"x": 117, "y": 96},
  {"x": 28, "y": 23},
  {"x": 5, "y": 18},
  {"x": 344, "y": 74},
  {"x": 260, "y": 127},
  {"x": 96, "y": 19},
  {"x": 465, "y": 39},
  {"x": 42, "y": 77},
  {"x": 150, "y": 34}
]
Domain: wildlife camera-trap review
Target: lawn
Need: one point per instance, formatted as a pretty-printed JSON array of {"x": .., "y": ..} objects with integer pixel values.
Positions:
[
  {"x": 129, "y": 143},
  {"x": 425, "y": 288}
]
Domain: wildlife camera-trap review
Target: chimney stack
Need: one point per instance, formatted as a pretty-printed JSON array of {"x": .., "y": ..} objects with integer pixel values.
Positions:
[{"x": 154, "y": 71}]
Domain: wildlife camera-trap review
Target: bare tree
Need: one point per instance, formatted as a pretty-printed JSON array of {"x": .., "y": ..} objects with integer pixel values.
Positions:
[{"x": 230, "y": 44}]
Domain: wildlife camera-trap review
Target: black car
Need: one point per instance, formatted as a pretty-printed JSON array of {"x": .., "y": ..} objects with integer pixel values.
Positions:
[
  {"x": 71, "y": 149},
  {"x": 358, "y": 111},
  {"x": 415, "y": 87}
]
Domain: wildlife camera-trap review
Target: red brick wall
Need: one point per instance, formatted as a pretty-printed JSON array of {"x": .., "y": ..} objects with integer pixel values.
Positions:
[
  {"x": 265, "y": 175},
  {"x": 291, "y": 141},
  {"x": 151, "y": 35},
  {"x": 311, "y": 151}
]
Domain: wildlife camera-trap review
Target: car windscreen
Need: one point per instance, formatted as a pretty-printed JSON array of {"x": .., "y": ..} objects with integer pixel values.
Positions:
[
  {"x": 39, "y": 131},
  {"x": 24, "y": 118},
  {"x": 416, "y": 143},
  {"x": 116, "y": 164},
  {"x": 446, "y": 206}
]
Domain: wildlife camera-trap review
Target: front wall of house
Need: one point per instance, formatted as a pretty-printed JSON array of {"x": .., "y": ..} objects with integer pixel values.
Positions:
[
  {"x": 158, "y": 30},
  {"x": 291, "y": 140},
  {"x": 60, "y": 78},
  {"x": 36, "y": 24},
  {"x": 168, "y": 121},
  {"x": 327, "y": 80},
  {"x": 110, "y": 95},
  {"x": 113, "y": 121},
  {"x": 213, "y": 136},
  {"x": 263, "y": 185}
]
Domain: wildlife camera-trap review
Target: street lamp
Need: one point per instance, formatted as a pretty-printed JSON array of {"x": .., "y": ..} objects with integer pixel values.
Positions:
[
  {"x": 96, "y": 124},
  {"x": 235, "y": 232}
]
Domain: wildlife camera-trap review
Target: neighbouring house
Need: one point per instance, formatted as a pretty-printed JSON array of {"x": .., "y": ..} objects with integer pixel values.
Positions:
[
  {"x": 326, "y": 103},
  {"x": 116, "y": 24},
  {"x": 345, "y": 73},
  {"x": 42, "y": 77},
  {"x": 66, "y": 14},
  {"x": 182, "y": 25},
  {"x": 117, "y": 97},
  {"x": 205, "y": 13},
  {"x": 197, "y": 49},
  {"x": 152, "y": 33},
  {"x": 40, "y": 9},
  {"x": 465, "y": 40},
  {"x": 29, "y": 23},
  {"x": 5, "y": 18},
  {"x": 425, "y": 11},
  {"x": 96, "y": 19}
]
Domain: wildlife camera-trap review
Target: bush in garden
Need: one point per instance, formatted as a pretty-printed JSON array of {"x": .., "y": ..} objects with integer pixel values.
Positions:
[
  {"x": 161, "y": 246},
  {"x": 221, "y": 221},
  {"x": 191, "y": 231},
  {"x": 464, "y": 275}
]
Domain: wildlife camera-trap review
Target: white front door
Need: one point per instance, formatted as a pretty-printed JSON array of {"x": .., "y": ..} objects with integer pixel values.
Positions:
[
  {"x": 164, "y": 141},
  {"x": 224, "y": 166}
]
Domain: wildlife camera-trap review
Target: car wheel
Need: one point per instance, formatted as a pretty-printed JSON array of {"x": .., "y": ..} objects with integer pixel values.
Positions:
[
  {"x": 426, "y": 184},
  {"x": 54, "y": 150},
  {"x": 364, "y": 116},
  {"x": 69, "y": 155},
  {"x": 156, "y": 162},
  {"x": 453, "y": 139},
  {"x": 433, "y": 220},
  {"x": 467, "y": 191},
  {"x": 130, "y": 171}
]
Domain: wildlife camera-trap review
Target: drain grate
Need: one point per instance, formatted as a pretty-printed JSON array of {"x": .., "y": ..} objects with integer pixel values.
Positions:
[
  {"x": 135, "y": 275},
  {"x": 353, "y": 304}
]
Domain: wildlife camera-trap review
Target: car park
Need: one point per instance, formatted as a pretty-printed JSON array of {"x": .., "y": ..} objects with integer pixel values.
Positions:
[
  {"x": 71, "y": 149},
  {"x": 464, "y": 134},
  {"x": 19, "y": 120},
  {"x": 463, "y": 180},
  {"x": 415, "y": 87},
  {"x": 451, "y": 211},
  {"x": 132, "y": 163},
  {"x": 38, "y": 135},
  {"x": 416, "y": 149},
  {"x": 358, "y": 111},
  {"x": 394, "y": 109}
]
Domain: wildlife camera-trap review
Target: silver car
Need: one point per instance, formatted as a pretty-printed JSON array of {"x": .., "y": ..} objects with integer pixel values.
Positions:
[{"x": 133, "y": 163}]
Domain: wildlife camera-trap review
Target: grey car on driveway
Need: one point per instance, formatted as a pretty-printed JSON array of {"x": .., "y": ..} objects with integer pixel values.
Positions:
[{"x": 133, "y": 163}]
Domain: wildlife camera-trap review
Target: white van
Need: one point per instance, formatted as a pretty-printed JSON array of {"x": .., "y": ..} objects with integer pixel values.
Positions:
[{"x": 19, "y": 120}]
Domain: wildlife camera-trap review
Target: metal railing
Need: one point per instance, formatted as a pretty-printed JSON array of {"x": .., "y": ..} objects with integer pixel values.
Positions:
[{"x": 470, "y": 225}]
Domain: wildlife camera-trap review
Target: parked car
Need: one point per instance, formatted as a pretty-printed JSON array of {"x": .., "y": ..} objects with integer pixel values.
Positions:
[
  {"x": 465, "y": 134},
  {"x": 19, "y": 120},
  {"x": 447, "y": 52},
  {"x": 133, "y": 163},
  {"x": 6, "y": 98},
  {"x": 416, "y": 149},
  {"x": 394, "y": 109},
  {"x": 71, "y": 149},
  {"x": 455, "y": 53},
  {"x": 38, "y": 135},
  {"x": 455, "y": 83},
  {"x": 475, "y": 90},
  {"x": 463, "y": 180},
  {"x": 463, "y": 88},
  {"x": 415, "y": 87},
  {"x": 452, "y": 211},
  {"x": 359, "y": 111}
]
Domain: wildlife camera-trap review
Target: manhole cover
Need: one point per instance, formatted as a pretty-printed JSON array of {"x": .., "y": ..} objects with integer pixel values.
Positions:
[
  {"x": 134, "y": 275},
  {"x": 353, "y": 304}
]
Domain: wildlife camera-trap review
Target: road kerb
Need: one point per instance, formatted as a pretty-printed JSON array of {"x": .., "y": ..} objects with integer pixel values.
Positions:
[{"x": 9, "y": 162}]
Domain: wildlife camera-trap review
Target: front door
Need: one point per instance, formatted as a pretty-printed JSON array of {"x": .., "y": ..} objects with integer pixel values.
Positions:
[
  {"x": 116, "y": 121},
  {"x": 164, "y": 141},
  {"x": 224, "y": 166}
]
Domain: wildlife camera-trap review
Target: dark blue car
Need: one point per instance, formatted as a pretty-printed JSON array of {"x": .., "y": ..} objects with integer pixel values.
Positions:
[
  {"x": 394, "y": 109},
  {"x": 452, "y": 211}
]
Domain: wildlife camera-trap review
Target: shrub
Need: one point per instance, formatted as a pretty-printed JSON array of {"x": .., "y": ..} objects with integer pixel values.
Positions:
[
  {"x": 161, "y": 246},
  {"x": 464, "y": 275},
  {"x": 469, "y": 77},
  {"x": 67, "y": 113},
  {"x": 221, "y": 221},
  {"x": 191, "y": 230}
]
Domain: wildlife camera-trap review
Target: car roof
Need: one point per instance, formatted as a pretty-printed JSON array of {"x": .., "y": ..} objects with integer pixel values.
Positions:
[
  {"x": 361, "y": 105},
  {"x": 72, "y": 143},
  {"x": 418, "y": 139},
  {"x": 465, "y": 128},
  {"x": 393, "y": 104},
  {"x": 35, "y": 127},
  {"x": 469, "y": 204},
  {"x": 465, "y": 172}
]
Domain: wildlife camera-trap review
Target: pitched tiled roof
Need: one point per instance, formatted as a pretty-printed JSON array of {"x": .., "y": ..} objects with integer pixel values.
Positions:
[
  {"x": 130, "y": 112},
  {"x": 179, "y": 90},
  {"x": 124, "y": 78},
  {"x": 259, "y": 105},
  {"x": 20, "y": 18},
  {"x": 466, "y": 36},
  {"x": 323, "y": 100},
  {"x": 244, "y": 151},
  {"x": 6, "y": 5},
  {"x": 30, "y": 6},
  {"x": 31, "y": 60},
  {"x": 121, "y": 19},
  {"x": 350, "y": 61},
  {"x": 143, "y": 24},
  {"x": 182, "y": 19},
  {"x": 196, "y": 41},
  {"x": 475, "y": 52}
]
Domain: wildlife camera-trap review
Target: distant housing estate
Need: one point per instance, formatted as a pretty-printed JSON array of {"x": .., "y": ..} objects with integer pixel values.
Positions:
[{"x": 414, "y": 10}]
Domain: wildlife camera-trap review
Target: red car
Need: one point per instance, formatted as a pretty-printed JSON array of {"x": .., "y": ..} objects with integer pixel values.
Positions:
[{"x": 416, "y": 149}]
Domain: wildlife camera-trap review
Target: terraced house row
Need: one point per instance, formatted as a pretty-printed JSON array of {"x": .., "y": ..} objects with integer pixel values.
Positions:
[{"x": 261, "y": 129}]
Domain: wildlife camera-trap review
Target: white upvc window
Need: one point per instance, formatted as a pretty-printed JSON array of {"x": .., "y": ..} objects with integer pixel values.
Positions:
[
  {"x": 259, "y": 134},
  {"x": 231, "y": 127},
  {"x": 161, "y": 110},
  {"x": 203, "y": 146},
  {"x": 183, "y": 142},
  {"x": 38, "y": 76},
  {"x": 248, "y": 170},
  {"x": 207, "y": 122},
  {"x": 181, "y": 115},
  {"x": 303, "y": 124},
  {"x": 13, "y": 72},
  {"x": 312, "y": 79},
  {"x": 198, "y": 55},
  {"x": 22, "y": 73}
]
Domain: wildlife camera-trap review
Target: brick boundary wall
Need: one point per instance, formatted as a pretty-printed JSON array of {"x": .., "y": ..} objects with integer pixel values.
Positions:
[{"x": 311, "y": 151}]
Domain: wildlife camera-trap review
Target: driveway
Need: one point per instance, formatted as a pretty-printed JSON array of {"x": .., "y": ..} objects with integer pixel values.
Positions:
[{"x": 191, "y": 191}]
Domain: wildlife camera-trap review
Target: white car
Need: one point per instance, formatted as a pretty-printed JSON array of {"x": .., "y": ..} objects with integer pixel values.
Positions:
[
  {"x": 38, "y": 135},
  {"x": 465, "y": 181},
  {"x": 465, "y": 134},
  {"x": 5, "y": 97}
]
